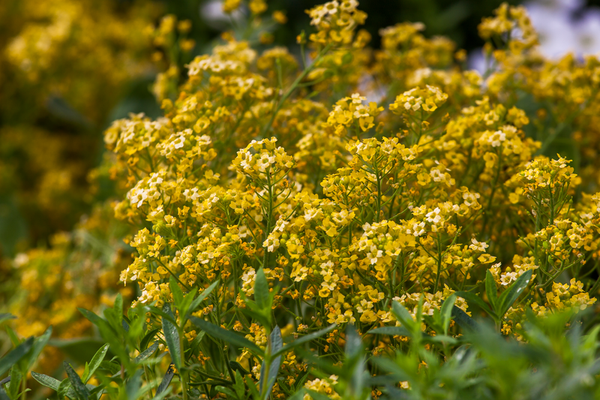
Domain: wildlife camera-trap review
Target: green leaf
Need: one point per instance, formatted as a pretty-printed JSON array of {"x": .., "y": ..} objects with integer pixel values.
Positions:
[
  {"x": 391, "y": 331},
  {"x": 14, "y": 338},
  {"x": 510, "y": 295},
  {"x": 446, "y": 312},
  {"x": 186, "y": 302},
  {"x": 239, "y": 385},
  {"x": 299, "y": 395},
  {"x": 15, "y": 355},
  {"x": 158, "y": 311},
  {"x": 78, "y": 349},
  {"x": 64, "y": 388},
  {"x": 95, "y": 362},
  {"x": 403, "y": 315},
  {"x": 491, "y": 290},
  {"x": 252, "y": 387},
  {"x": 261, "y": 290},
  {"x": 223, "y": 334},
  {"x": 6, "y": 316},
  {"x": 38, "y": 345},
  {"x": 474, "y": 299},
  {"x": 172, "y": 338},
  {"x": 95, "y": 319},
  {"x": 201, "y": 298},
  {"x": 253, "y": 312},
  {"x": 236, "y": 366},
  {"x": 46, "y": 380},
  {"x": 304, "y": 339},
  {"x": 353, "y": 342},
  {"x": 439, "y": 338},
  {"x": 149, "y": 336},
  {"x": 177, "y": 293},
  {"x": 52, "y": 383},
  {"x": 81, "y": 390},
  {"x": 15, "y": 383},
  {"x": 463, "y": 319},
  {"x": 3, "y": 395},
  {"x": 132, "y": 387},
  {"x": 118, "y": 307},
  {"x": 230, "y": 393},
  {"x": 275, "y": 344},
  {"x": 146, "y": 353},
  {"x": 317, "y": 395}
]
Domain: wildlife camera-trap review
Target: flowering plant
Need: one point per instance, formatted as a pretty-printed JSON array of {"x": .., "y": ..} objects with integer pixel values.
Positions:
[{"x": 277, "y": 210}]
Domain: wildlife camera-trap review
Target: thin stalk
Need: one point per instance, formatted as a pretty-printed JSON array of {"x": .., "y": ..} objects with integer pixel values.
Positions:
[{"x": 291, "y": 89}]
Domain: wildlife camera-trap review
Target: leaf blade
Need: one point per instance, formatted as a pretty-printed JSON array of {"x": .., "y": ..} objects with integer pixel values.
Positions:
[
  {"x": 509, "y": 296},
  {"x": 171, "y": 333},
  {"x": 230, "y": 337},
  {"x": 15, "y": 355}
]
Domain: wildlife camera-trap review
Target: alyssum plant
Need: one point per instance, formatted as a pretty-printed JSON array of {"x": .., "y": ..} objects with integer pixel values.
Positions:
[{"x": 296, "y": 241}]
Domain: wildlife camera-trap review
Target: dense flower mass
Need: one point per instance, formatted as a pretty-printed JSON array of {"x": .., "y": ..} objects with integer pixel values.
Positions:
[
  {"x": 350, "y": 209},
  {"x": 291, "y": 202}
]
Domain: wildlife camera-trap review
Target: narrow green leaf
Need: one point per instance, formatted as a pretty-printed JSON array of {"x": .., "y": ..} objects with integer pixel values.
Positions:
[
  {"x": 252, "y": 387},
  {"x": 261, "y": 290},
  {"x": 223, "y": 334},
  {"x": 133, "y": 386},
  {"x": 52, "y": 383},
  {"x": 15, "y": 355},
  {"x": 226, "y": 391},
  {"x": 164, "y": 315},
  {"x": 403, "y": 315},
  {"x": 81, "y": 390},
  {"x": 391, "y": 331},
  {"x": 239, "y": 385},
  {"x": 317, "y": 395},
  {"x": 254, "y": 313},
  {"x": 491, "y": 290},
  {"x": 15, "y": 383},
  {"x": 275, "y": 344},
  {"x": 446, "y": 312},
  {"x": 64, "y": 388},
  {"x": 304, "y": 339},
  {"x": 177, "y": 293},
  {"x": 95, "y": 319},
  {"x": 38, "y": 345},
  {"x": 172, "y": 338},
  {"x": 166, "y": 381},
  {"x": 6, "y": 316},
  {"x": 472, "y": 298},
  {"x": 46, "y": 380},
  {"x": 299, "y": 395},
  {"x": 149, "y": 336},
  {"x": 78, "y": 349},
  {"x": 186, "y": 302},
  {"x": 463, "y": 319},
  {"x": 95, "y": 362},
  {"x": 3, "y": 395},
  {"x": 118, "y": 307},
  {"x": 201, "y": 298},
  {"x": 510, "y": 295},
  {"x": 236, "y": 366},
  {"x": 439, "y": 338},
  {"x": 14, "y": 338},
  {"x": 353, "y": 342},
  {"x": 146, "y": 353}
]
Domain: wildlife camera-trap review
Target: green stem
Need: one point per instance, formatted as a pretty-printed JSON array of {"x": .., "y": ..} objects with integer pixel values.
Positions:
[{"x": 291, "y": 89}]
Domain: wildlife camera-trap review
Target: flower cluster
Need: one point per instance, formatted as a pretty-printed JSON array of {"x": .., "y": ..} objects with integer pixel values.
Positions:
[{"x": 300, "y": 205}]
